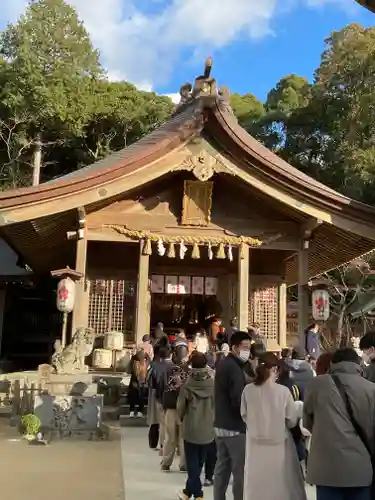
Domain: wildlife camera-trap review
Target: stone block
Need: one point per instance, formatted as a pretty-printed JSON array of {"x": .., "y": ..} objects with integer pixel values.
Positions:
[{"x": 69, "y": 414}]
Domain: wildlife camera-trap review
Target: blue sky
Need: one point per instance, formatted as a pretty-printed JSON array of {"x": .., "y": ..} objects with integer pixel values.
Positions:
[{"x": 160, "y": 44}]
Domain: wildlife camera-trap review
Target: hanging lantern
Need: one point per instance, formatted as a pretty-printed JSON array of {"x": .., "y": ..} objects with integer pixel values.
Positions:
[
  {"x": 320, "y": 305},
  {"x": 66, "y": 291}
]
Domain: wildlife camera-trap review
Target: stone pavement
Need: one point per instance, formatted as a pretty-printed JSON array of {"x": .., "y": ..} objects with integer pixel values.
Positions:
[
  {"x": 64, "y": 470},
  {"x": 142, "y": 475}
]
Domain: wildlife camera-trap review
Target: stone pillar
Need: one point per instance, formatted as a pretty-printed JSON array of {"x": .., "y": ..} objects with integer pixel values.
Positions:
[
  {"x": 243, "y": 287},
  {"x": 282, "y": 309},
  {"x": 143, "y": 304},
  {"x": 303, "y": 294},
  {"x": 81, "y": 306}
]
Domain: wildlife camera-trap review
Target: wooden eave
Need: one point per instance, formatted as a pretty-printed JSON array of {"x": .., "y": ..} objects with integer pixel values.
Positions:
[{"x": 94, "y": 183}]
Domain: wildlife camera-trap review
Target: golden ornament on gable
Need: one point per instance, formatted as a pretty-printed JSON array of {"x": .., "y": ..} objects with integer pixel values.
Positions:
[
  {"x": 197, "y": 203},
  {"x": 203, "y": 165}
]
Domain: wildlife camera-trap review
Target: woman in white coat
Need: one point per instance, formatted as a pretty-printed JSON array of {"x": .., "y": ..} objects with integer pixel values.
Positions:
[{"x": 272, "y": 469}]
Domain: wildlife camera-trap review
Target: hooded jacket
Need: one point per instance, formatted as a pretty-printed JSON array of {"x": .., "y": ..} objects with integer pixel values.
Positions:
[
  {"x": 301, "y": 373},
  {"x": 195, "y": 407}
]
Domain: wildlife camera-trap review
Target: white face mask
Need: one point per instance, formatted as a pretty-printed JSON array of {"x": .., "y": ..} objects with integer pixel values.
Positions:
[{"x": 244, "y": 355}]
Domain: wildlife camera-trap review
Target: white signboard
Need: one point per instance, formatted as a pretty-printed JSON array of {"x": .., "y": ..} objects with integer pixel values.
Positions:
[
  {"x": 157, "y": 283},
  {"x": 197, "y": 285},
  {"x": 171, "y": 284},
  {"x": 210, "y": 286},
  {"x": 184, "y": 285}
]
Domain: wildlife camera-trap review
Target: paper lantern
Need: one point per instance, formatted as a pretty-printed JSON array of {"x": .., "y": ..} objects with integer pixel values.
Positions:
[
  {"x": 66, "y": 291},
  {"x": 320, "y": 305}
]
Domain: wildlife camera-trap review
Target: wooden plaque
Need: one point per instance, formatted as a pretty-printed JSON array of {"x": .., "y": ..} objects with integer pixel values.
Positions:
[{"x": 197, "y": 203}]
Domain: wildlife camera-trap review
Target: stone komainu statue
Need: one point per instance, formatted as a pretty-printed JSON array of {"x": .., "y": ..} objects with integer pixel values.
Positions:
[{"x": 71, "y": 359}]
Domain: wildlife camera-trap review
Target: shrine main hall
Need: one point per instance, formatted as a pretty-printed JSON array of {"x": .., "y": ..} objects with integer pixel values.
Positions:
[{"x": 196, "y": 218}]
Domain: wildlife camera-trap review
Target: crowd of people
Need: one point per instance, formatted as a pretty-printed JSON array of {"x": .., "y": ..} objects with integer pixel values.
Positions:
[{"x": 231, "y": 410}]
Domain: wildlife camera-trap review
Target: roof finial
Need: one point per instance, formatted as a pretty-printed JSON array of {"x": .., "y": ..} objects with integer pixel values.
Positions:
[{"x": 208, "y": 67}]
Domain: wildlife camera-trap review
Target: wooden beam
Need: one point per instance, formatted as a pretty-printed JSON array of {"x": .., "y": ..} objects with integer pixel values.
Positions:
[
  {"x": 303, "y": 295},
  {"x": 309, "y": 227},
  {"x": 143, "y": 308},
  {"x": 108, "y": 234},
  {"x": 156, "y": 222},
  {"x": 282, "y": 313}
]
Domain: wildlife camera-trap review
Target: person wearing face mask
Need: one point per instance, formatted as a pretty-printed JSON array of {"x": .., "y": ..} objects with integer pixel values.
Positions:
[
  {"x": 230, "y": 429},
  {"x": 268, "y": 411},
  {"x": 367, "y": 346}
]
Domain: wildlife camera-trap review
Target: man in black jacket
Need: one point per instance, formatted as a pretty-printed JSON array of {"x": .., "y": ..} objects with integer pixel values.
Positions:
[{"x": 230, "y": 429}]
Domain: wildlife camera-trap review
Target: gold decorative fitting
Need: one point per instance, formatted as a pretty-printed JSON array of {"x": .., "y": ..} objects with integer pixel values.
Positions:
[
  {"x": 190, "y": 240},
  {"x": 147, "y": 248},
  {"x": 203, "y": 165},
  {"x": 195, "y": 254},
  {"x": 171, "y": 250},
  {"x": 220, "y": 251}
]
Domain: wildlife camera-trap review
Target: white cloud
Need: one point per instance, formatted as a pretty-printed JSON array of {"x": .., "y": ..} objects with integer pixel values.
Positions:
[
  {"x": 144, "y": 45},
  {"x": 175, "y": 97}
]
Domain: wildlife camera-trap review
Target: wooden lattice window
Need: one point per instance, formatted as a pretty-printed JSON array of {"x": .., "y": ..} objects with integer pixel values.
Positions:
[
  {"x": 112, "y": 306},
  {"x": 263, "y": 310}
]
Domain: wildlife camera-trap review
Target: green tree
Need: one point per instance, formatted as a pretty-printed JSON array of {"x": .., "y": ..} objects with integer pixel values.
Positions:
[
  {"x": 52, "y": 61},
  {"x": 333, "y": 136},
  {"x": 48, "y": 66},
  {"x": 247, "y": 108}
]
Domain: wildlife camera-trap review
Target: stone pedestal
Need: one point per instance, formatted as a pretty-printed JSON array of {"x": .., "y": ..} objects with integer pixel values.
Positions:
[{"x": 69, "y": 416}]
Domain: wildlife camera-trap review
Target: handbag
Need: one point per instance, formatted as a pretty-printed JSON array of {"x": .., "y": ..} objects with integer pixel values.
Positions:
[{"x": 357, "y": 428}]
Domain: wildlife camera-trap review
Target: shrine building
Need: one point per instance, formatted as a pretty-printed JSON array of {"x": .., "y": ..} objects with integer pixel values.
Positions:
[{"x": 196, "y": 218}]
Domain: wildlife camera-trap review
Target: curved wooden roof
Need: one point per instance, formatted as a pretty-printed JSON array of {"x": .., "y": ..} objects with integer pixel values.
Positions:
[
  {"x": 346, "y": 227},
  {"x": 369, "y": 4},
  {"x": 213, "y": 121},
  {"x": 158, "y": 143}
]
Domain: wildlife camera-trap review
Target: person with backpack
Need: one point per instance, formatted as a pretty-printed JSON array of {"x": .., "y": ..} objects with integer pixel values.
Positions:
[
  {"x": 339, "y": 411},
  {"x": 175, "y": 377},
  {"x": 195, "y": 408}
]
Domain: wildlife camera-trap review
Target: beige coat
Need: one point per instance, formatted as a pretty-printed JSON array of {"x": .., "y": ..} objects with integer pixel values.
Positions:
[{"x": 272, "y": 469}]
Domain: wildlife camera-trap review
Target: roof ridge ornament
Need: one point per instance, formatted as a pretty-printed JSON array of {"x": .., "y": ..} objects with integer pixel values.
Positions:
[{"x": 206, "y": 86}]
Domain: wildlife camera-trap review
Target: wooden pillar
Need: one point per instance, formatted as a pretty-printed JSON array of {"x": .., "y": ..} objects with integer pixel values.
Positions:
[
  {"x": 81, "y": 306},
  {"x": 243, "y": 287},
  {"x": 303, "y": 294},
  {"x": 143, "y": 304},
  {"x": 2, "y": 311},
  {"x": 282, "y": 309},
  {"x": 224, "y": 291}
]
